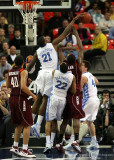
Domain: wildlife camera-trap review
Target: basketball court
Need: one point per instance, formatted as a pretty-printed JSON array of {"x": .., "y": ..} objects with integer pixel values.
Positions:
[{"x": 103, "y": 153}]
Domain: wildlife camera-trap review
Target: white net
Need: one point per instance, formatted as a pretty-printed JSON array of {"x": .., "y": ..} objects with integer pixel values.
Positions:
[{"x": 28, "y": 12}]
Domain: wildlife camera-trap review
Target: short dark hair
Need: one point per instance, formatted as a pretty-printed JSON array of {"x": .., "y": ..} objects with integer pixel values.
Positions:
[
  {"x": 3, "y": 55},
  {"x": 63, "y": 67},
  {"x": 87, "y": 64},
  {"x": 71, "y": 59},
  {"x": 105, "y": 91},
  {"x": 19, "y": 60},
  {"x": 5, "y": 71},
  {"x": 41, "y": 41}
]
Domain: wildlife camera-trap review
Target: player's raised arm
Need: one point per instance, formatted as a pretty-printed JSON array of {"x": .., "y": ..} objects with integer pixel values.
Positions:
[
  {"x": 79, "y": 43},
  {"x": 32, "y": 62},
  {"x": 60, "y": 54},
  {"x": 67, "y": 30}
]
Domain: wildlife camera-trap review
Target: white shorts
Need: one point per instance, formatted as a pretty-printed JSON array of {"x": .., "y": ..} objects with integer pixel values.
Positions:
[
  {"x": 55, "y": 107},
  {"x": 91, "y": 108},
  {"x": 44, "y": 82}
]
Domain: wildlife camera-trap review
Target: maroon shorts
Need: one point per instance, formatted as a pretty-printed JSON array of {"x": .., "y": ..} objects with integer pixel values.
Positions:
[
  {"x": 21, "y": 112},
  {"x": 73, "y": 108}
]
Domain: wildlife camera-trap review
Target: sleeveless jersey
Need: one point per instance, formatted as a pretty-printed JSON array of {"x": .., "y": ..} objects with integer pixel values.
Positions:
[
  {"x": 61, "y": 83},
  {"x": 14, "y": 77},
  {"x": 77, "y": 73},
  {"x": 90, "y": 89},
  {"x": 47, "y": 56}
]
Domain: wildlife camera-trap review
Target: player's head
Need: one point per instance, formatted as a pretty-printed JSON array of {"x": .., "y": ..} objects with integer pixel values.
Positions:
[
  {"x": 85, "y": 65},
  {"x": 41, "y": 41},
  {"x": 71, "y": 58},
  {"x": 63, "y": 67},
  {"x": 19, "y": 61}
]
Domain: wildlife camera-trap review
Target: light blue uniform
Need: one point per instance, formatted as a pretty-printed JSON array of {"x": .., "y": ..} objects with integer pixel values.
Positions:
[
  {"x": 48, "y": 58},
  {"x": 90, "y": 102},
  {"x": 57, "y": 100}
]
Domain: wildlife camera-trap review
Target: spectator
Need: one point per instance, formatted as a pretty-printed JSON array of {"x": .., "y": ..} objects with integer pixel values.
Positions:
[
  {"x": 99, "y": 45},
  {"x": 94, "y": 9},
  {"x": 109, "y": 123},
  {"x": 4, "y": 119},
  {"x": 106, "y": 23},
  {"x": 64, "y": 25},
  {"x": 98, "y": 15},
  {"x": 12, "y": 55},
  {"x": 54, "y": 22},
  {"x": 78, "y": 6},
  {"x": 2, "y": 37},
  {"x": 40, "y": 24},
  {"x": 10, "y": 34},
  {"x": 70, "y": 38},
  {"x": 111, "y": 33},
  {"x": 106, "y": 7},
  {"x": 5, "y": 73},
  {"x": 3, "y": 66},
  {"x": 72, "y": 50},
  {"x": 84, "y": 34},
  {"x": 6, "y": 22},
  {"x": 5, "y": 49},
  {"x": 3, "y": 25},
  {"x": 17, "y": 41},
  {"x": 100, "y": 121},
  {"x": 111, "y": 10}
]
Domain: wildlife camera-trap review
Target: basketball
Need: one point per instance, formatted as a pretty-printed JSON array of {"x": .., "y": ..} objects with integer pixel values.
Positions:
[{"x": 86, "y": 18}]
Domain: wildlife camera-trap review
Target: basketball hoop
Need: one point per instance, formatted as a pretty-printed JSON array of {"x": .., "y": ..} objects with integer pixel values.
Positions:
[
  {"x": 27, "y": 5},
  {"x": 28, "y": 11}
]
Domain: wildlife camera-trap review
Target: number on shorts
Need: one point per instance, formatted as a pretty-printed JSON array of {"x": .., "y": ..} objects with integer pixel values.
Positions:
[
  {"x": 77, "y": 100},
  {"x": 46, "y": 57},
  {"x": 14, "y": 82},
  {"x": 61, "y": 85}
]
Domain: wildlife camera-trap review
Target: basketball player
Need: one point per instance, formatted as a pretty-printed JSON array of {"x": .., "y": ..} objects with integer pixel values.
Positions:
[
  {"x": 62, "y": 81},
  {"x": 47, "y": 55},
  {"x": 73, "y": 107},
  {"x": 21, "y": 113},
  {"x": 90, "y": 102}
]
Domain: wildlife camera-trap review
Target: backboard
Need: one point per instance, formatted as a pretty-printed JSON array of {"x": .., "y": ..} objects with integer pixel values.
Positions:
[{"x": 45, "y": 5}]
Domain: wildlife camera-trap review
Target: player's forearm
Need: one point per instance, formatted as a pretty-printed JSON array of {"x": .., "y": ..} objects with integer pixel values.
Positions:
[
  {"x": 30, "y": 66},
  {"x": 79, "y": 42},
  {"x": 32, "y": 63}
]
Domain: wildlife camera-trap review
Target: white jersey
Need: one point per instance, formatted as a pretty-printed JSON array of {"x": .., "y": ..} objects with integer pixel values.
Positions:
[
  {"x": 47, "y": 56},
  {"x": 90, "y": 89},
  {"x": 61, "y": 83}
]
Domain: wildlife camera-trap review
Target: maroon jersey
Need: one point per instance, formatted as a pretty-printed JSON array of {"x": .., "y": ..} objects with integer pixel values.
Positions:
[
  {"x": 73, "y": 108},
  {"x": 77, "y": 73},
  {"x": 14, "y": 77}
]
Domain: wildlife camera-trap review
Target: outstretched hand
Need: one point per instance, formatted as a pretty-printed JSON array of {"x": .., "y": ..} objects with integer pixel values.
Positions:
[{"x": 79, "y": 15}]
